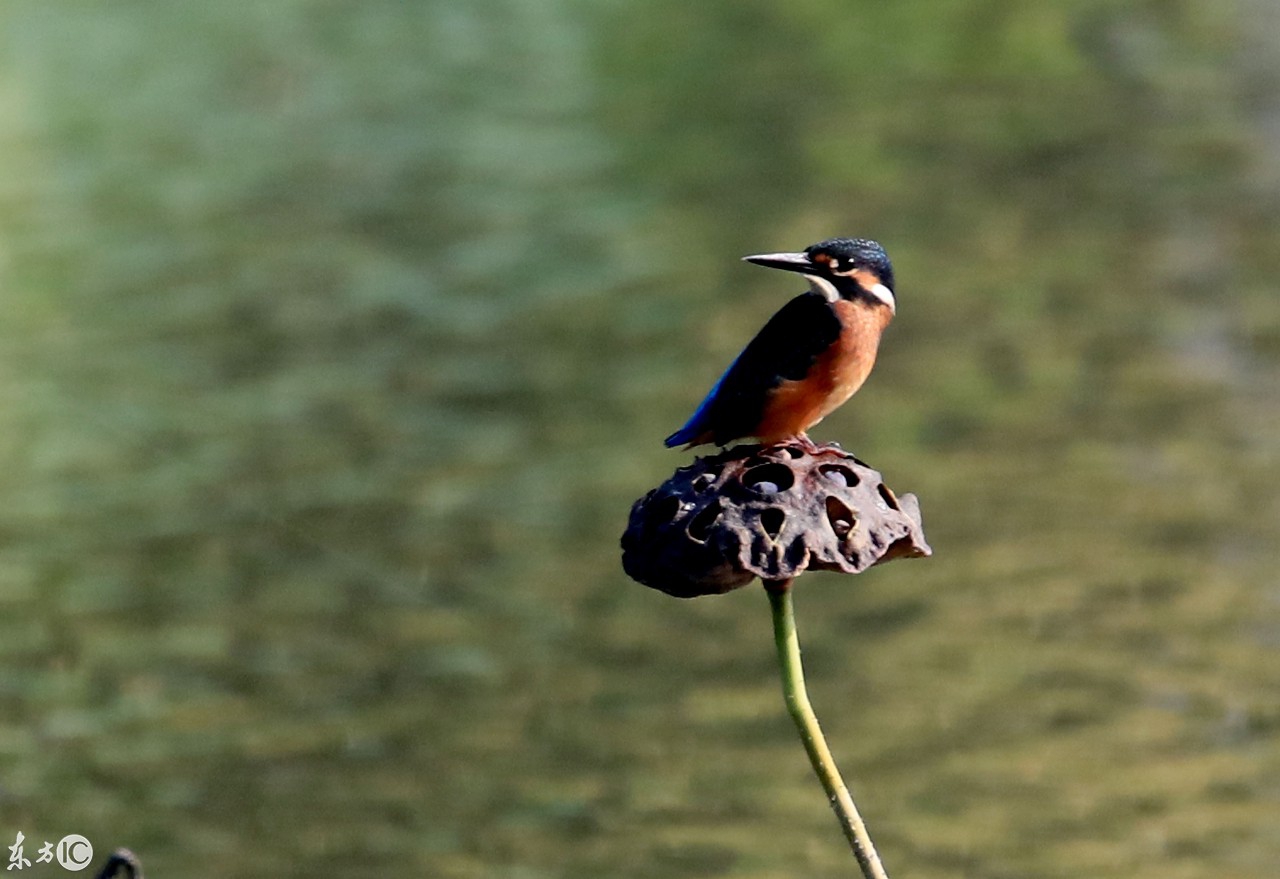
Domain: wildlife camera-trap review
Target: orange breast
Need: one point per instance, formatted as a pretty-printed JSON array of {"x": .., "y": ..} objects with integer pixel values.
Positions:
[{"x": 796, "y": 406}]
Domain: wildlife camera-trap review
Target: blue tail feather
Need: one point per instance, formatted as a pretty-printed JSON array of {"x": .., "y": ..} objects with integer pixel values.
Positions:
[{"x": 686, "y": 434}]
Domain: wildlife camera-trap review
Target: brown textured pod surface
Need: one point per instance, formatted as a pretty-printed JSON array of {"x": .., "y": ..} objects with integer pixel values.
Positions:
[{"x": 771, "y": 512}]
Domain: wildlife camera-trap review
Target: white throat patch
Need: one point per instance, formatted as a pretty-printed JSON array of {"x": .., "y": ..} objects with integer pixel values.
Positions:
[{"x": 825, "y": 287}]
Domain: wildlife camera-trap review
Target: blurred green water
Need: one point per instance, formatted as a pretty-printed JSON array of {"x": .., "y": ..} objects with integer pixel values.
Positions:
[{"x": 338, "y": 339}]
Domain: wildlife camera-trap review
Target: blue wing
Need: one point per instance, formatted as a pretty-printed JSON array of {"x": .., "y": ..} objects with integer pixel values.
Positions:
[{"x": 785, "y": 348}]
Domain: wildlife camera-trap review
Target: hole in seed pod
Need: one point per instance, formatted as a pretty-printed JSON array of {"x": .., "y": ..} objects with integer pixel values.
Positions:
[
  {"x": 888, "y": 497},
  {"x": 840, "y": 516},
  {"x": 797, "y": 554},
  {"x": 703, "y": 481},
  {"x": 665, "y": 510},
  {"x": 700, "y": 525},
  {"x": 769, "y": 478},
  {"x": 772, "y": 521},
  {"x": 839, "y": 474},
  {"x": 792, "y": 453}
]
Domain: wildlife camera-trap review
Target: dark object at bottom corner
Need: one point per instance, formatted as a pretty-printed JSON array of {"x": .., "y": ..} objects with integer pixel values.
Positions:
[{"x": 123, "y": 864}]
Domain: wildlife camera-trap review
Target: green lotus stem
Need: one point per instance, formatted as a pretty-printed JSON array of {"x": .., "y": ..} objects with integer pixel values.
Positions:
[{"x": 797, "y": 698}]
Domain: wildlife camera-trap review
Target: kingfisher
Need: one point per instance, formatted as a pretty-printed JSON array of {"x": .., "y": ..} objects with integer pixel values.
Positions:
[{"x": 810, "y": 357}]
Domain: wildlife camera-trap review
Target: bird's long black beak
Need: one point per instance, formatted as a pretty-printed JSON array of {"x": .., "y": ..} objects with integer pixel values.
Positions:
[{"x": 788, "y": 262}]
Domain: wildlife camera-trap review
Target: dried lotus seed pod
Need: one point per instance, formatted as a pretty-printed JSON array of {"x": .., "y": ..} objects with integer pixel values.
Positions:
[{"x": 770, "y": 512}]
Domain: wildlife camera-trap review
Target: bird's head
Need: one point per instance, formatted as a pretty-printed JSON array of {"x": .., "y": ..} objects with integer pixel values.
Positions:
[{"x": 840, "y": 268}]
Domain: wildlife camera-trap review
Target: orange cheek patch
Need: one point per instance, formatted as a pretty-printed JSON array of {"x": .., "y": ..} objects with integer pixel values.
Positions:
[{"x": 867, "y": 279}]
